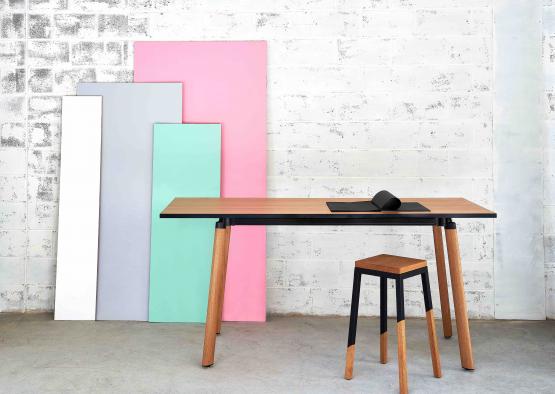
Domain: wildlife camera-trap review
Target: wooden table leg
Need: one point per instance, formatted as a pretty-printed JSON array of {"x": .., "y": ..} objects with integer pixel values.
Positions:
[
  {"x": 216, "y": 287},
  {"x": 442, "y": 281},
  {"x": 221, "y": 301},
  {"x": 457, "y": 285}
]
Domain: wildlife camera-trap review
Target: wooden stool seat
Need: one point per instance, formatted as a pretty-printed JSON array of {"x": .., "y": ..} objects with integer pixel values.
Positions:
[
  {"x": 390, "y": 263},
  {"x": 397, "y": 268}
]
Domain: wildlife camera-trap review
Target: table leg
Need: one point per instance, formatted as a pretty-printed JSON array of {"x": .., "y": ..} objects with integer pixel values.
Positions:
[
  {"x": 216, "y": 287},
  {"x": 442, "y": 281},
  {"x": 457, "y": 285},
  {"x": 222, "y": 291}
]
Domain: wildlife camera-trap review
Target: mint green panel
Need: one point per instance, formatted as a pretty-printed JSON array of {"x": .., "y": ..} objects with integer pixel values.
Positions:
[{"x": 186, "y": 163}]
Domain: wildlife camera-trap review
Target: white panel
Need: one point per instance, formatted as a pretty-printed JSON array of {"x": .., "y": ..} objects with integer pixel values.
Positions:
[
  {"x": 518, "y": 137},
  {"x": 79, "y": 208}
]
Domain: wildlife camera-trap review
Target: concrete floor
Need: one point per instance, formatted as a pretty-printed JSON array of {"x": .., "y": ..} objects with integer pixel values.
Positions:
[{"x": 287, "y": 354}]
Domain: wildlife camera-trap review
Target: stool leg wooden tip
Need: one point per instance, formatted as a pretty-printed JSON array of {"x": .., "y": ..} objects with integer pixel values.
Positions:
[
  {"x": 383, "y": 348},
  {"x": 349, "y": 362},
  {"x": 402, "y": 357}
]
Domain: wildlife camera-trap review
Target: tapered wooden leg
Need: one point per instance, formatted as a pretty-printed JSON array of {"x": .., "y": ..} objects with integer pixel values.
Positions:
[
  {"x": 432, "y": 338},
  {"x": 401, "y": 338},
  {"x": 434, "y": 349},
  {"x": 350, "y": 357},
  {"x": 442, "y": 281},
  {"x": 222, "y": 291},
  {"x": 402, "y": 357},
  {"x": 349, "y": 362},
  {"x": 457, "y": 285},
  {"x": 383, "y": 320},
  {"x": 216, "y": 278},
  {"x": 383, "y": 348}
]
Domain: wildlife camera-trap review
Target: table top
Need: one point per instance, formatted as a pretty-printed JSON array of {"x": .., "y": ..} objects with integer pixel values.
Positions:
[{"x": 272, "y": 208}]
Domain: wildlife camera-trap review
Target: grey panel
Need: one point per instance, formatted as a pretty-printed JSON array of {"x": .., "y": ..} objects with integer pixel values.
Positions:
[{"x": 129, "y": 111}]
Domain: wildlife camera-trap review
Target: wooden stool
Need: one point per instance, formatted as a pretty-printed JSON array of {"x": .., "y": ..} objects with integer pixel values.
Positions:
[{"x": 398, "y": 268}]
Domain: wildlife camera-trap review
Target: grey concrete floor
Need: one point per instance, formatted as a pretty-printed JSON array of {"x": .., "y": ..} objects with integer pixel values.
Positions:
[{"x": 284, "y": 355}]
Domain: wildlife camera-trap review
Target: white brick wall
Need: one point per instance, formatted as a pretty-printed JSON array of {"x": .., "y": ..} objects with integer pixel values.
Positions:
[{"x": 362, "y": 95}]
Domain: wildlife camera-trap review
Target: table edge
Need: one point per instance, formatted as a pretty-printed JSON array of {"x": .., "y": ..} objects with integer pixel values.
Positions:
[{"x": 343, "y": 216}]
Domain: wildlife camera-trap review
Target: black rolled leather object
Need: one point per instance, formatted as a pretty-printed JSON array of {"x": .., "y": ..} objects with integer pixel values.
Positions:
[{"x": 386, "y": 201}]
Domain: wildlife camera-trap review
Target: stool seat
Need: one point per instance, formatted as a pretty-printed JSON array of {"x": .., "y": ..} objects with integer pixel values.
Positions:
[{"x": 390, "y": 263}]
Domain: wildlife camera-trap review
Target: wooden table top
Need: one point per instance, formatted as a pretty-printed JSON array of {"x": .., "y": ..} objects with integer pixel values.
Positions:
[{"x": 313, "y": 208}]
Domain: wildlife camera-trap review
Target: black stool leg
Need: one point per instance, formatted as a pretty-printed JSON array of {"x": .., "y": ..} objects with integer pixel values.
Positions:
[
  {"x": 350, "y": 358},
  {"x": 401, "y": 340},
  {"x": 432, "y": 338},
  {"x": 383, "y": 319}
]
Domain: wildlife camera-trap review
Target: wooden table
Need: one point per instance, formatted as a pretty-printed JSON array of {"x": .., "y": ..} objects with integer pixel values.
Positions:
[{"x": 313, "y": 211}]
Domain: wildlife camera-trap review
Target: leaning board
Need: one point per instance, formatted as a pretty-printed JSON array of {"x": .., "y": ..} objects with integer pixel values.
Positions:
[
  {"x": 225, "y": 82},
  {"x": 78, "y": 208},
  {"x": 186, "y": 162},
  {"x": 128, "y": 113}
]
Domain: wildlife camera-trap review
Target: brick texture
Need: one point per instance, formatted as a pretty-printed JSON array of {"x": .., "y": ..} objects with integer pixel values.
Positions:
[{"x": 362, "y": 95}]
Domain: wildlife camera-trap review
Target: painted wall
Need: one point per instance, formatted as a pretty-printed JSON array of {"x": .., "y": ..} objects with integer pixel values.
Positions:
[{"x": 362, "y": 95}]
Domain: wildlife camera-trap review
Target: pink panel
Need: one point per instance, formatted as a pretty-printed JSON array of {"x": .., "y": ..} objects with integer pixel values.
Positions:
[{"x": 225, "y": 82}]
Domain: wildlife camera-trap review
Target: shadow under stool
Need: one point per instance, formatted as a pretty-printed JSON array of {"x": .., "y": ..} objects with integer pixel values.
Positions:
[{"x": 397, "y": 268}]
